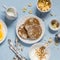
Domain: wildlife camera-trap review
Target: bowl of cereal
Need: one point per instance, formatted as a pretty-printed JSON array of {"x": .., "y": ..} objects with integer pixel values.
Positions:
[{"x": 44, "y": 5}]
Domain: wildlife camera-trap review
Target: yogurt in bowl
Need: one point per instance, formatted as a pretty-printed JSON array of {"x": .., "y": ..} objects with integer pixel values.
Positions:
[{"x": 39, "y": 52}]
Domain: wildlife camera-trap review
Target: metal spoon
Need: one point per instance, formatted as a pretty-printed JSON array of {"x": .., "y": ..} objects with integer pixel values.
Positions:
[{"x": 13, "y": 48}]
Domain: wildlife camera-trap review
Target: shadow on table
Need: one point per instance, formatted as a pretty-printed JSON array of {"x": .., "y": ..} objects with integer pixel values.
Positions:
[
  {"x": 57, "y": 40},
  {"x": 51, "y": 31},
  {"x": 40, "y": 14},
  {"x": 3, "y": 42},
  {"x": 8, "y": 22}
]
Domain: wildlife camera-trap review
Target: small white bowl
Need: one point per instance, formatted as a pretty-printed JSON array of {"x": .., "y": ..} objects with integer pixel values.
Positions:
[
  {"x": 54, "y": 29},
  {"x": 22, "y": 21},
  {"x": 5, "y": 31},
  {"x": 36, "y": 46},
  {"x": 41, "y": 10},
  {"x": 10, "y": 17}
]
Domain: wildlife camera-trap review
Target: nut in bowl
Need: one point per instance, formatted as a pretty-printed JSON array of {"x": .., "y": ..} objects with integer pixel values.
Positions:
[
  {"x": 39, "y": 51},
  {"x": 54, "y": 25},
  {"x": 44, "y": 5},
  {"x": 30, "y": 29}
]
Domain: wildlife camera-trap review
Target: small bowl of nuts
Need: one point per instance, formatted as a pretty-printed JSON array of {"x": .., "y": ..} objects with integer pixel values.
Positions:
[
  {"x": 44, "y": 5},
  {"x": 54, "y": 25}
]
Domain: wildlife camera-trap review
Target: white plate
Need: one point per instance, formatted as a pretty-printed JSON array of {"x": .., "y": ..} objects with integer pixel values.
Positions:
[
  {"x": 22, "y": 20},
  {"x": 36, "y": 46},
  {"x": 5, "y": 30}
]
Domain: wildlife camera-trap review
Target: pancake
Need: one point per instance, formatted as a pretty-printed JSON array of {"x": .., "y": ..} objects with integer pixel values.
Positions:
[
  {"x": 34, "y": 31},
  {"x": 22, "y": 32},
  {"x": 32, "y": 21}
]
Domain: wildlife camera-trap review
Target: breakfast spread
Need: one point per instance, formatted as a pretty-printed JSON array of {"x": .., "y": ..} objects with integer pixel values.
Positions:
[
  {"x": 30, "y": 29},
  {"x": 44, "y": 5}
]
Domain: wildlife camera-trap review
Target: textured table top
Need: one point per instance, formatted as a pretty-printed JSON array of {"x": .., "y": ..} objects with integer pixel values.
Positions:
[{"x": 5, "y": 52}]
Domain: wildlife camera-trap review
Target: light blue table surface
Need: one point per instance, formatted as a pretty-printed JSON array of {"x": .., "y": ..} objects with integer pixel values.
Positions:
[{"x": 5, "y": 52}]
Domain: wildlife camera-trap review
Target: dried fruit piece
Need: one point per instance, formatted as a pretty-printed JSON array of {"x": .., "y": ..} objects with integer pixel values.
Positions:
[
  {"x": 30, "y": 4},
  {"x": 30, "y": 12},
  {"x": 50, "y": 40},
  {"x": 24, "y": 9}
]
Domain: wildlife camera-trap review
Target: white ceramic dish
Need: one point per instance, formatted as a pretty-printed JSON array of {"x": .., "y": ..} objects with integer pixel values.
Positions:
[
  {"x": 35, "y": 46},
  {"x": 9, "y": 16},
  {"x": 54, "y": 29},
  {"x": 5, "y": 30},
  {"x": 41, "y": 10},
  {"x": 22, "y": 20}
]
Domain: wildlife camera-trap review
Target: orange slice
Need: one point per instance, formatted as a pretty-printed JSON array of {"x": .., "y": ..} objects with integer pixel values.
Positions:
[
  {"x": 1, "y": 35},
  {"x": 1, "y": 25}
]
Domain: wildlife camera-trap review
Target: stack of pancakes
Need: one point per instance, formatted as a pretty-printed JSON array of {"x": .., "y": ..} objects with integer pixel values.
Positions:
[{"x": 30, "y": 29}]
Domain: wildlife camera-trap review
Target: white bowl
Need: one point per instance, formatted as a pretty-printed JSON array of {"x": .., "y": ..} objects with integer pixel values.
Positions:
[
  {"x": 41, "y": 10},
  {"x": 5, "y": 30},
  {"x": 22, "y": 21},
  {"x": 36, "y": 46},
  {"x": 54, "y": 29}
]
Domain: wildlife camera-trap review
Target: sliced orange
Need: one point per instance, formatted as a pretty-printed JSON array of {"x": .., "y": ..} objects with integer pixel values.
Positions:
[
  {"x": 1, "y": 35},
  {"x": 1, "y": 25}
]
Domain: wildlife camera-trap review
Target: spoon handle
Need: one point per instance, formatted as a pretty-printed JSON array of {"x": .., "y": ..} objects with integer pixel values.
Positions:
[
  {"x": 14, "y": 49},
  {"x": 16, "y": 53}
]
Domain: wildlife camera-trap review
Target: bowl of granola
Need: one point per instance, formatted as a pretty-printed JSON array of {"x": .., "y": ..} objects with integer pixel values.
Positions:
[
  {"x": 44, "y": 5},
  {"x": 39, "y": 51}
]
